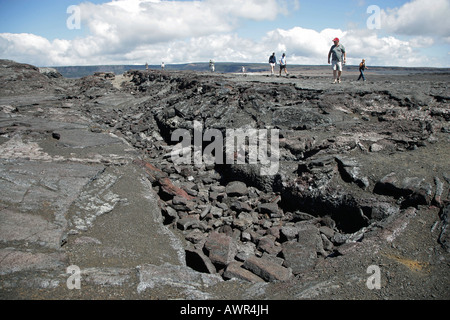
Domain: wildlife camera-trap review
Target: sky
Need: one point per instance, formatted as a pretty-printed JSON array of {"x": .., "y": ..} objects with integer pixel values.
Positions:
[{"x": 407, "y": 33}]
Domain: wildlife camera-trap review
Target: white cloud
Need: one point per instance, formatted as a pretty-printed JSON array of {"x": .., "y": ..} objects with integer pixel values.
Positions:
[
  {"x": 306, "y": 46},
  {"x": 127, "y": 26},
  {"x": 139, "y": 31},
  {"x": 422, "y": 42},
  {"x": 223, "y": 47},
  {"x": 22, "y": 46},
  {"x": 152, "y": 21},
  {"x": 251, "y": 9},
  {"x": 418, "y": 17},
  {"x": 303, "y": 46}
]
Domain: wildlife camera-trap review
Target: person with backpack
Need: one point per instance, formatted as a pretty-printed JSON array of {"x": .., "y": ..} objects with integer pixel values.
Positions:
[
  {"x": 272, "y": 62},
  {"x": 362, "y": 68}
]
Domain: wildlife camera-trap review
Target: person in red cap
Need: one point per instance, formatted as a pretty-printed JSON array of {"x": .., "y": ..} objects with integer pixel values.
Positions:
[{"x": 337, "y": 56}]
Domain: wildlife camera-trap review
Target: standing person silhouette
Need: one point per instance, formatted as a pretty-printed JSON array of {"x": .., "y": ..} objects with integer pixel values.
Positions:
[
  {"x": 338, "y": 58},
  {"x": 283, "y": 65},
  {"x": 272, "y": 62},
  {"x": 362, "y": 68}
]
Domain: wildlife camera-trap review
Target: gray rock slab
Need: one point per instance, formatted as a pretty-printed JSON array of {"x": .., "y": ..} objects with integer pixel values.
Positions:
[
  {"x": 120, "y": 210},
  {"x": 267, "y": 270},
  {"x": 221, "y": 248},
  {"x": 108, "y": 276},
  {"x": 269, "y": 208},
  {"x": 43, "y": 187},
  {"x": 299, "y": 257},
  {"x": 29, "y": 228},
  {"x": 151, "y": 277},
  {"x": 236, "y": 189},
  {"x": 12, "y": 260},
  {"x": 235, "y": 271},
  {"x": 77, "y": 138},
  {"x": 309, "y": 236}
]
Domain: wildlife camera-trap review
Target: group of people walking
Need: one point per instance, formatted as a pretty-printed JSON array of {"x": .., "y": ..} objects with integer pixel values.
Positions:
[
  {"x": 283, "y": 63},
  {"x": 337, "y": 57}
]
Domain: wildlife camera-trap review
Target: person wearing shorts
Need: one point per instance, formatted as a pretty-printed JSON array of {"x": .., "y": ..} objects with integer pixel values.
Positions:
[
  {"x": 283, "y": 65},
  {"x": 337, "y": 57}
]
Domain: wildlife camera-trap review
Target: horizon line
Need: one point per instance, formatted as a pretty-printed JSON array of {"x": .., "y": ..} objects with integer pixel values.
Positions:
[
  {"x": 238, "y": 63},
  {"x": 220, "y": 62}
]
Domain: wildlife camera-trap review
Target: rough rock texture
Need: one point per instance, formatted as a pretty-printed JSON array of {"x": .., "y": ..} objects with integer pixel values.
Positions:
[{"x": 88, "y": 180}]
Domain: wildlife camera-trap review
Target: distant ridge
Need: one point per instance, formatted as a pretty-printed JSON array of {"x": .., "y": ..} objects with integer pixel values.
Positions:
[
  {"x": 231, "y": 67},
  {"x": 82, "y": 71}
]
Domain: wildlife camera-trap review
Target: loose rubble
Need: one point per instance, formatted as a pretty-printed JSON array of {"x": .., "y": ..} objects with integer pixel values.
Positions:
[
  {"x": 344, "y": 179},
  {"x": 310, "y": 208}
]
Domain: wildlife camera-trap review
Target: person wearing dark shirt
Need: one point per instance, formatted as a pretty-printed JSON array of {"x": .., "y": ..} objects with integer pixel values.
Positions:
[
  {"x": 362, "y": 68},
  {"x": 272, "y": 62}
]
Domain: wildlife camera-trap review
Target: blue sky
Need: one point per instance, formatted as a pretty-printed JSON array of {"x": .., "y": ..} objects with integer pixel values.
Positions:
[
  {"x": 412, "y": 33},
  {"x": 47, "y": 18}
]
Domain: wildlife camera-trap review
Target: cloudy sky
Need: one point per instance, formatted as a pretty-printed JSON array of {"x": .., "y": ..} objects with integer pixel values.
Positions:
[{"x": 70, "y": 32}]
